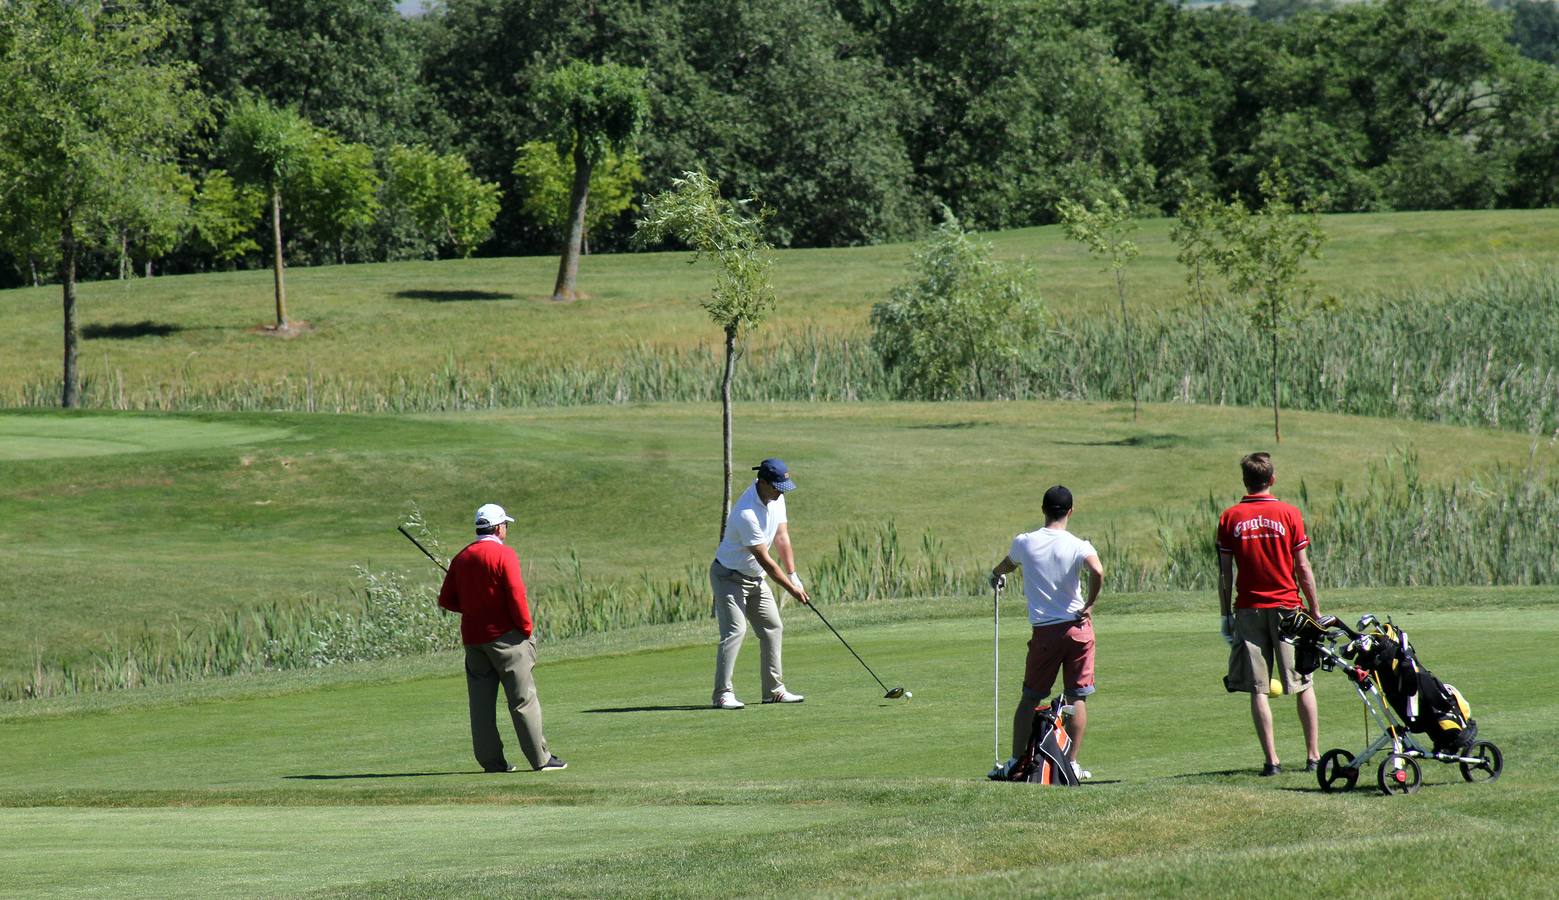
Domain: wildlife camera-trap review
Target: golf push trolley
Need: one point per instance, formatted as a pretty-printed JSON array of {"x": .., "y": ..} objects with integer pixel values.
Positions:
[{"x": 1400, "y": 695}]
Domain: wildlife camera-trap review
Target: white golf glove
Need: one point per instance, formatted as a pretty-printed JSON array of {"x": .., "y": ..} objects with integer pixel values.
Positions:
[
  {"x": 998, "y": 581},
  {"x": 796, "y": 580},
  {"x": 1228, "y": 630}
]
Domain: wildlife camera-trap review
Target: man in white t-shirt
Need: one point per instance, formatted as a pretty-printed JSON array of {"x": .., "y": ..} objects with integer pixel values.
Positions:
[
  {"x": 756, "y": 542},
  {"x": 1053, "y": 561}
]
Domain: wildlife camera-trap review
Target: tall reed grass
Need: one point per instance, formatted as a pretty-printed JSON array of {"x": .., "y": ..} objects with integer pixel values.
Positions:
[
  {"x": 1399, "y": 530},
  {"x": 1485, "y": 354}
]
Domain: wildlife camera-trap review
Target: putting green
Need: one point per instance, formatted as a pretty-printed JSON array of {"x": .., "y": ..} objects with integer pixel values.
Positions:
[{"x": 25, "y": 437}]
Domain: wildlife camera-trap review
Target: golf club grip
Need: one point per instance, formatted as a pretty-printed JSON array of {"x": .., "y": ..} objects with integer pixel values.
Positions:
[{"x": 402, "y": 530}]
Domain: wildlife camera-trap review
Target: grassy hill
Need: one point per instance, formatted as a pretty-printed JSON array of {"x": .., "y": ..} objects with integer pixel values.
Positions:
[
  {"x": 115, "y": 525},
  {"x": 373, "y": 321},
  {"x": 358, "y": 781}
]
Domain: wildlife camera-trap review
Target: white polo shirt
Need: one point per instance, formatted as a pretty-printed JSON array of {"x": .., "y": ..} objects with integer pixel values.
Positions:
[
  {"x": 1052, "y": 563},
  {"x": 751, "y": 523}
]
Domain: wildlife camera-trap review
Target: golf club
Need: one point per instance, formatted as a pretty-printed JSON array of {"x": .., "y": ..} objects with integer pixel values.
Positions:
[
  {"x": 996, "y": 673},
  {"x": 402, "y": 530},
  {"x": 892, "y": 693}
]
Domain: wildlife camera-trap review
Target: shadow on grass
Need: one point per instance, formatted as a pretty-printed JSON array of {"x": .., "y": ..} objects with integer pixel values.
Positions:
[
  {"x": 374, "y": 775},
  {"x": 126, "y": 331},
  {"x": 1150, "y": 441},
  {"x": 634, "y": 709},
  {"x": 948, "y": 426},
  {"x": 452, "y": 296}
]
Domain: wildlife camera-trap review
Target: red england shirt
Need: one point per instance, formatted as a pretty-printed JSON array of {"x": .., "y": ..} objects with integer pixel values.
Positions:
[
  {"x": 1264, "y": 535},
  {"x": 485, "y": 587}
]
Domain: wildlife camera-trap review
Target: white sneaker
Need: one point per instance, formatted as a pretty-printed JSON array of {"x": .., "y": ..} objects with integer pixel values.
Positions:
[
  {"x": 781, "y": 695},
  {"x": 728, "y": 701},
  {"x": 1081, "y": 773}
]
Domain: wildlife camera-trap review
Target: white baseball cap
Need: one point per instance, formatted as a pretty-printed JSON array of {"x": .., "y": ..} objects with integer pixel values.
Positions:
[{"x": 491, "y": 515}]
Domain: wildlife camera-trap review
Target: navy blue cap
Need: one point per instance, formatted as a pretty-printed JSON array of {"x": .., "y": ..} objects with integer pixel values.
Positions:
[{"x": 776, "y": 473}]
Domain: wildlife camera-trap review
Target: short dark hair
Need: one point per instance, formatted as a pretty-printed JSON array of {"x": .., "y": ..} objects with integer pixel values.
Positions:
[
  {"x": 1257, "y": 470},
  {"x": 491, "y": 530},
  {"x": 1057, "y": 503}
]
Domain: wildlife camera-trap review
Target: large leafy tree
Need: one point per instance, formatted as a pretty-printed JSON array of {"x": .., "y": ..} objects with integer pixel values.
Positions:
[
  {"x": 91, "y": 116},
  {"x": 731, "y": 232},
  {"x": 592, "y": 110},
  {"x": 350, "y": 66},
  {"x": 545, "y": 180},
  {"x": 439, "y": 195}
]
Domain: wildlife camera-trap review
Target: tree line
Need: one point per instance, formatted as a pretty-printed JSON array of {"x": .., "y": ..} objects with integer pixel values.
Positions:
[{"x": 851, "y": 121}]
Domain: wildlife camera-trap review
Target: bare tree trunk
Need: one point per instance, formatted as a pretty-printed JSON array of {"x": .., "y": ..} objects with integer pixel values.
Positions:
[
  {"x": 276, "y": 259},
  {"x": 1131, "y": 359},
  {"x": 568, "y": 266},
  {"x": 124, "y": 255},
  {"x": 725, "y": 422},
  {"x": 32, "y": 266},
  {"x": 71, "y": 396},
  {"x": 1277, "y": 436},
  {"x": 148, "y": 268}
]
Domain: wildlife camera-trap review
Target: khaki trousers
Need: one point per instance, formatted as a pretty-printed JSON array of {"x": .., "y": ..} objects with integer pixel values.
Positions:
[
  {"x": 507, "y": 661},
  {"x": 740, "y": 598}
]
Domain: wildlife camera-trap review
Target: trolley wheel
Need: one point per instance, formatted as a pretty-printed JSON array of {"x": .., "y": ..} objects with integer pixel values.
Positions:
[
  {"x": 1336, "y": 771},
  {"x": 1398, "y": 774},
  {"x": 1490, "y": 762}
]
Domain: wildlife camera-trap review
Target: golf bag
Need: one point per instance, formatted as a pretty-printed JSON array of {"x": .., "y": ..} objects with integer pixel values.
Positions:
[
  {"x": 1425, "y": 703},
  {"x": 1045, "y": 760}
]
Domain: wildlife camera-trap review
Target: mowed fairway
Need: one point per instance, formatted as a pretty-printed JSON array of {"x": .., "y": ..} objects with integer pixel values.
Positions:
[
  {"x": 359, "y": 781},
  {"x": 182, "y": 517}
]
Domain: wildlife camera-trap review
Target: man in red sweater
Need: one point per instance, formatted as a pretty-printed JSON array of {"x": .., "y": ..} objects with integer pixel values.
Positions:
[
  {"x": 485, "y": 587},
  {"x": 1265, "y": 538}
]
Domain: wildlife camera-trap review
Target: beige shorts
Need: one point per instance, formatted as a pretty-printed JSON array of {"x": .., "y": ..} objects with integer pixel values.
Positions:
[{"x": 1260, "y": 654}]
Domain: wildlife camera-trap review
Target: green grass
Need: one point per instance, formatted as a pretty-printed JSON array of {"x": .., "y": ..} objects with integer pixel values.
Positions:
[
  {"x": 373, "y": 321},
  {"x": 101, "y": 549},
  {"x": 315, "y": 784}
]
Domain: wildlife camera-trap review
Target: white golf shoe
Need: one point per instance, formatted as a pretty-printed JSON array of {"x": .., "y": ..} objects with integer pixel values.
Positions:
[
  {"x": 781, "y": 695},
  {"x": 1081, "y": 773},
  {"x": 728, "y": 700}
]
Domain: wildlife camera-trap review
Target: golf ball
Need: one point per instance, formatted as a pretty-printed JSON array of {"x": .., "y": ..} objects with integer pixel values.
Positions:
[{"x": 908, "y": 694}]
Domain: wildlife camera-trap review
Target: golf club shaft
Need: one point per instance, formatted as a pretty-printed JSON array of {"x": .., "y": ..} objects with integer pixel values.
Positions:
[
  {"x": 996, "y": 673},
  {"x": 847, "y": 646},
  {"x": 402, "y": 530}
]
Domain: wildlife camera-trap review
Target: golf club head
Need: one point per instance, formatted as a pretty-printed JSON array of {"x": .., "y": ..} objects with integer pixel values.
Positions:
[{"x": 896, "y": 693}]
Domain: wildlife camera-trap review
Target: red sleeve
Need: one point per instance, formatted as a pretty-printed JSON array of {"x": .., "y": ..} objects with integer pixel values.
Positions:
[
  {"x": 448, "y": 596},
  {"x": 1301, "y": 540},
  {"x": 519, "y": 608}
]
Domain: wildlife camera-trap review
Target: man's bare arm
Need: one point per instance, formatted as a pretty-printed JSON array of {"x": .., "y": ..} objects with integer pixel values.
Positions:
[
  {"x": 787, "y": 557},
  {"x": 1095, "y": 582},
  {"x": 760, "y": 552},
  {"x": 1225, "y": 583},
  {"x": 1306, "y": 578}
]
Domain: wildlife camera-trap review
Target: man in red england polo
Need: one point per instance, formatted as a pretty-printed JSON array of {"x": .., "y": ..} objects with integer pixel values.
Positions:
[
  {"x": 485, "y": 587},
  {"x": 1264, "y": 538}
]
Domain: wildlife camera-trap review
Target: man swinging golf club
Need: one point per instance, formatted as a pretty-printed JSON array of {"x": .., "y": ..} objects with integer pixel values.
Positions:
[
  {"x": 756, "y": 532},
  {"x": 485, "y": 587},
  {"x": 1053, "y": 561}
]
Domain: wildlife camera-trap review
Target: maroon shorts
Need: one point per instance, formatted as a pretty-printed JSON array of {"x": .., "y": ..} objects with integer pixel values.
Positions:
[{"x": 1066, "y": 647}]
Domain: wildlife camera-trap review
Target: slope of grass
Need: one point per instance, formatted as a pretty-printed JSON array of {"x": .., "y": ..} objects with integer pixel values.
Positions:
[
  {"x": 371, "y": 321},
  {"x": 99, "y": 549},
  {"x": 365, "y": 787}
]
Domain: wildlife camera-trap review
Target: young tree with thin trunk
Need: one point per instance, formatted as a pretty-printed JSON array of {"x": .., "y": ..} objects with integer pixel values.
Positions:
[
  {"x": 593, "y": 110},
  {"x": 88, "y": 105},
  {"x": 1264, "y": 260},
  {"x": 694, "y": 213},
  {"x": 1195, "y": 233},
  {"x": 1106, "y": 231},
  {"x": 267, "y": 146}
]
